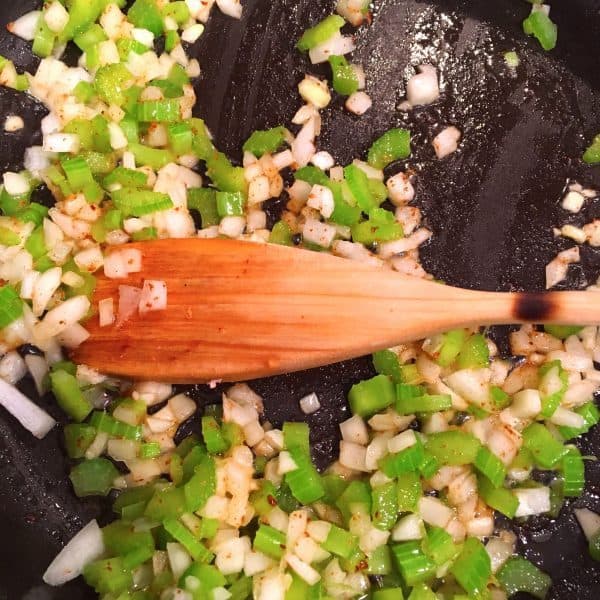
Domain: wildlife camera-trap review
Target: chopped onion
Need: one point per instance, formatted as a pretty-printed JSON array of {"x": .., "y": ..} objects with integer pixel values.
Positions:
[
  {"x": 532, "y": 501},
  {"x": 302, "y": 569},
  {"x": 556, "y": 269},
  {"x": 409, "y": 528},
  {"x": 423, "y": 88},
  {"x": 310, "y": 404},
  {"x": 13, "y": 123},
  {"x": 38, "y": 369},
  {"x": 153, "y": 296},
  {"x": 62, "y": 317},
  {"x": 321, "y": 199},
  {"x": 25, "y": 26},
  {"x": 129, "y": 299},
  {"x": 353, "y": 456},
  {"x": 73, "y": 336},
  {"x": 588, "y": 521},
  {"x": 318, "y": 233},
  {"x": 315, "y": 91},
  {"x": 84, "y": 548},
  {"x": 446, "y": 142},
  {"x": 434, "y": 512},
  {"x": 401, "y": 189},
  {"x": 355, "y": 430},
  {"x": 232, "y": 8},
  {"x": 303, "y": 147},
  {"x": 61, "y": 142},
  {"x": 232, "y": 227},
  {"x": 31, "y": 416},
  {"x": 15, "y": 184},
  {"x": 106, "y": 312},
  {"x": 336, "y": 45},
  {"x": 323, "y": 160},
  {"x": 403, "y": 440},
  {"x": 56, "y": 16}
]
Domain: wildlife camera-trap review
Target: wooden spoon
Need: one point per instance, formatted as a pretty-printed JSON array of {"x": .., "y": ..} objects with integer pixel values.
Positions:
[{"x": 240, "y": 310}]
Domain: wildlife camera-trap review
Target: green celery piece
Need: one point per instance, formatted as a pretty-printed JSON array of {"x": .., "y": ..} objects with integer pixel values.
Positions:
[
  {"x": 104, "y": 422},
  {"x": 573, "y": 471},
  {"x": 201, "y": 486},
  {"x": 546, "y": 450},
  {"x": 384, "y": 509},
  {"x": 111, "y": 81},
  {"x": 138, "y": 202},
  {"x": 69, "y": 396},
  {"x": 133, "y": 496},
  {"x": 177, "y": 10},
  {"x": 591, "y": 416},
  {"x": 475, "y": 353},
  {"x": 120, "y": 538},
  {"x": 196, "y": 548},
  {"x": 334, "y": 487},
  {"x": 108, "y": 576},
  {"x": 592, "y": 154},
  {"x": 340, "y": 542},
  {"x": 594, "y": 546},
  {"x": 562, "y": 332},
  {"x": 345, "y": 81},
  {"x": 93, "y": 477},
  {"x": 81, "y": 128},
  {"x": 145, "y": 14},
  {"x": 412, "y": 563},
  {"x": 371, "y": 395},
  {"x": 264, "y": 499},
  {"x": 320, "y": 33},
  {"x": 542, "y": 28},
  {"x": 43, "y": 41},
  {"x": 304, "y": 482},
  {"x": 204, "y": 200},
  {"x": 520, "y": 575},
  {"x": 472, "y": 569},
  {"x": 11, "y": 306},
  {"x": 380, "y": 561},
  {"x": 296, "y": 435},
  {"x": 391, "y": 146},
  {"x": 36, "y": 244},
  {"x": 499, "y": 498},
  {"x": 424, "y": 592},
  {"x": 452, "y": 344},
  {"x": 213, "y": 438},
  {"x": 285, "y": 498},
  {"x": 78, "y": 438},
  {"x": 181, "y": 138},
  {"x": 358, "y": 183},
  {"x": 386, "y": 362},
  {"x": 167, "y": 110},
  {"x": 82, "y": 14},
  {"x": 168, "y": 502},
  {"x": 241, "y": 588},
  {"x": 193, "y": 458},
  {"x": 426, "y": 403},
  {"x": 224, "y": 175},
  {"x": 409, "y": 490},
  {"x": 453, "y": 447},
  {"x": 489, "y": 465},
  {"x": 355, "y": 498},
  {"x": 266, "y": 141},
  {"x": 148, "y": 233},
  {"x": 408, "y": 460},
  {"x": 176, "y": 469},
  {"x": 499, "y": 397},
  {"x": 439, "y": 546},
  {"x": 377, "y": 230},
  {"x": 208, "y": 575},
  {"x": 270, "y": 541},
  {"x": 281, "y": 234},
  {"x": 126, "y": 178},
  {"x": 230, "y": 204}
]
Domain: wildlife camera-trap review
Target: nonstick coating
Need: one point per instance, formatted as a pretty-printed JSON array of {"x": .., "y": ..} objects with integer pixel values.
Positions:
[{"x": 491, "y": 206}]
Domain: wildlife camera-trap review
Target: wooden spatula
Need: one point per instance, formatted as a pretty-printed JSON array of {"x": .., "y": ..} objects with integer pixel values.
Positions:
[{"x": 239, "y": 310}]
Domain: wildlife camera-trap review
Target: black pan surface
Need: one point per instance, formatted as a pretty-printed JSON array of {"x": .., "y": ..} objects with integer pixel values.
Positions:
[{"x": 491, "y": 206}]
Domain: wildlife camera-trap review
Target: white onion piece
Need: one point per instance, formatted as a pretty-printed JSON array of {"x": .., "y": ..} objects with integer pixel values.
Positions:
[
  {"x": 336, "y": 45},
  {"x": 409, "y": 528},
  {"x": 401, "y": 189},
  {"x": 73, "y": 336},
  {"x": 556, "y": 269},
  {"x": 302, "y": 569},
  {"x": 353, "y": 456},
  {"x": 589, "y": 522},
  {"x": 38, "y": 369},
  {"x": 30, "y": 415},
  {"x": 44, "y": 288},
  {"x": 310, "y": 404},
  {"x": 532, "y": 501},
  {"x": 62, "y": 317},
  {"x": 318, "y": 233},
  {"x": 423, "y": 88},
  {"x": 36, "y": 160},
  {"x": 25, "y": 26},
  {"x": 303, "y": 147},
  {"x": 61, "y": 142},
  {"x": 12, "y": 367},
  {"x": 129, "y": 299},
  {"x": 106, "y": 312},
  {"x": 323, "y": 160},
  {"x": 232, "y": 8},
  {"x": 567, "y": 418},
  {"x": 315, "y": 91},
  {"x": 85, "y": 547},
  {"x": 446, "y": 142},
  {"x": 321, "y": 199},
  {"x": 56, "y": 16},
  {"x": 15, "y": 184},
  {"x": 434, "y": 511},
  {"x": 359, "y": 103},
  {"x": 153, "y": 296}
]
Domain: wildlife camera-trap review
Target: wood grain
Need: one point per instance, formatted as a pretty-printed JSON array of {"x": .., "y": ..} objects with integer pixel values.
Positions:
[{"x": 238, "y": 310}]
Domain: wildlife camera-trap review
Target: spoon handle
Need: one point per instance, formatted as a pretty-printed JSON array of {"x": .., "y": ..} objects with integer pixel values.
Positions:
[{"x": 238, "y": 310}]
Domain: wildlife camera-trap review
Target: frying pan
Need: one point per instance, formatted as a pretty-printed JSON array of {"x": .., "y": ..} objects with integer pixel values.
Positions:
[{"x": 491, "y": 206}]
